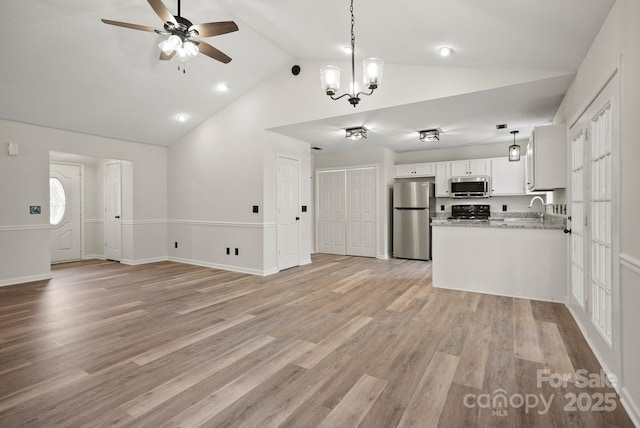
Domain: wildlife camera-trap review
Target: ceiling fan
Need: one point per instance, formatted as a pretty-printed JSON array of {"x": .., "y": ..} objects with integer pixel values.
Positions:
[{"x": 183, "y": 34}]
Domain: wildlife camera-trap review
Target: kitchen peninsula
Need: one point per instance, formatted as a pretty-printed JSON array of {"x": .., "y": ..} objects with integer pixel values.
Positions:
[{"x": 512, "y": 256}]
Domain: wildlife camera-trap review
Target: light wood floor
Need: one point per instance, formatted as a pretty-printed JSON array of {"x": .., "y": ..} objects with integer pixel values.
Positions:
[{"x": 343, "y": 342}]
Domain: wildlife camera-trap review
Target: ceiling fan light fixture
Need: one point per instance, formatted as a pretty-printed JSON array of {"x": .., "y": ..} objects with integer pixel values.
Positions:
[
  {"x": 171, "y": 44},
  {"x": 190, "y": 48},
  {"x": 357, "y": 133},
  {"x": 429, "y": 135}
]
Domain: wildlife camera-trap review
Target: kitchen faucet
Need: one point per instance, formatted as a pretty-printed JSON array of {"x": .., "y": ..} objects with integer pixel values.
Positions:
[{"x": 541, "y": 213}]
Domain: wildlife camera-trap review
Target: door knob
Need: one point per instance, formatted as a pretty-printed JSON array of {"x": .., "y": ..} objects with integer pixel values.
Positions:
[
  {"x": 297, "y": 218},
  {"x": 117, "y": 216}
]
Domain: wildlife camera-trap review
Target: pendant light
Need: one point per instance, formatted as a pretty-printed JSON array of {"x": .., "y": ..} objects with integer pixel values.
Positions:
[
  {"x": 514, "y": 149},
  {"x": 330, "y": 74}
]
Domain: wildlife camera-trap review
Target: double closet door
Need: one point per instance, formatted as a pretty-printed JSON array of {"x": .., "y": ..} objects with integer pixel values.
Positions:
[{"x": 346, "y": 201}]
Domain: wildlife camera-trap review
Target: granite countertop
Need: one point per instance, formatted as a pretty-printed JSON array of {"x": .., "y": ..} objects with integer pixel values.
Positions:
[{"x": 507, "y": 221}]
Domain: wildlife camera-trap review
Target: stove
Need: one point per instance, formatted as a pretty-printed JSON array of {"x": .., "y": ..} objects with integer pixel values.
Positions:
[{"x": 470, "y": 212}]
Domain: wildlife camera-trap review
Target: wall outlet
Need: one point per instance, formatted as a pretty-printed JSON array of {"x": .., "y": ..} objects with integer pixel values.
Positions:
[
  {"x": 504, "y": 208},
  {"x": 255, "y": 209},
  {"x": 237, "y": 253},
  {"x": 441, "y": 207},
  {"x": 228, "y": 251},
  {"x": 304, "y": 208},
  {"x": 175, "y": 244}
]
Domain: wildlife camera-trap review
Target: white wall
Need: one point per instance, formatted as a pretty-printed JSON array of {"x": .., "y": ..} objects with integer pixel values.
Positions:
[
  {"x": 482, "y": 151},
  {"x": 25, "y": 251},
  {"x": 618, "y": 42},
  {"x": 227, "y": 164}
]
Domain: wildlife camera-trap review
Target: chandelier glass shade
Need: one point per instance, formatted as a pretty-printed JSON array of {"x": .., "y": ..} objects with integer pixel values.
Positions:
[{"x": 372, "y": 74}]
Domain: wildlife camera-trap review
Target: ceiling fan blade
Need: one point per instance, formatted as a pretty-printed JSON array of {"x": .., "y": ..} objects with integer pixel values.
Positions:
[
  {"x": 211, "y": 29},
  {"x": 162, "y": 11},
  {"x": 127, "y": 25},
  {"x": 214, "y": 53},
  {"x": 165, "y": 57}
]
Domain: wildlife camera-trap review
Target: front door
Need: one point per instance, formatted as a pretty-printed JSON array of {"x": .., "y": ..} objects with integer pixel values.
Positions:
[
  {"x": 288, "y": 196},
  {"x": 64, "y": 201}
]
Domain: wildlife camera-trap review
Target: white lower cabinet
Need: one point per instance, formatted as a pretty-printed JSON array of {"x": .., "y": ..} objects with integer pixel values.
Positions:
[{"x": 524, "y": 263}]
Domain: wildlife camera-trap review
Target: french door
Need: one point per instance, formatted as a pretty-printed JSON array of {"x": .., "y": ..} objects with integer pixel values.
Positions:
[{"x": 594, "y": 291}]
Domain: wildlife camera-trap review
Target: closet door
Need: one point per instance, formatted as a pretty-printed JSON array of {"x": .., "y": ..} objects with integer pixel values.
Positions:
[
  {"x": 331, "y": 212},
  {"x": 361, "y": 212}
]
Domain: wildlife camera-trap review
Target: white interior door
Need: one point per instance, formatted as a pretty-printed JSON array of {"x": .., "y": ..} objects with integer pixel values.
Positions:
[
  {"x": 361, "y": 212},
  {"x": 331, "y": 212},
  {"x": 288, "y": 198},
  {"x": 65, "y": 212},
  {"x": 594, "y": 290},
  {"x": 112, "y": 211}
]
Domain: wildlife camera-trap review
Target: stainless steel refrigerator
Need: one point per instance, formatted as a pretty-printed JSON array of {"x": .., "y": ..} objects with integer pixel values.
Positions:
[{"x": 413, "y": 206}]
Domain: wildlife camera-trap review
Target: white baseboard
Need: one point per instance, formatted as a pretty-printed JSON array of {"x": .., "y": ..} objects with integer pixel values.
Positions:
[
  {"x": 25, "y": 279},
  {"x": 143, "y": 261},
  {"x": 632, "y": 408},
  {"x": 383, "y": 257},
  {"x": 94, "y": 257},
  {"x": 629, "y": 404},
  {"x": 305, "y": 262},
  {"x": 231, "y": 268},
  {"x": 513, "y": 296}
]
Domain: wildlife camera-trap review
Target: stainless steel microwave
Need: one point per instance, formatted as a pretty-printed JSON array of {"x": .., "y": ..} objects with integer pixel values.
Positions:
[{"x": 470, "y": 187}]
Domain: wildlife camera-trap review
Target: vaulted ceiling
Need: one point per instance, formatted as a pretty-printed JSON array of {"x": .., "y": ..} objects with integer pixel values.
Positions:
[{"x": 63, "y": 68}]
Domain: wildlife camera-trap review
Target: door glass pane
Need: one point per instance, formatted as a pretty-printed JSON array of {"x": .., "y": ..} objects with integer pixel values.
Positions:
[{"x": 58, "y": 201}]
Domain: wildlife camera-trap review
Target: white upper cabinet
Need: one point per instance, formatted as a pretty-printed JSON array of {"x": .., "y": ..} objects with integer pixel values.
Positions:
[
  {"x": 442, "y": 179},
  {"x": 547, "y": 158},
  {"x": 470, "y": 167},
  {"x": 416, "y": 170},
  {"x": 507, "y": 178}
]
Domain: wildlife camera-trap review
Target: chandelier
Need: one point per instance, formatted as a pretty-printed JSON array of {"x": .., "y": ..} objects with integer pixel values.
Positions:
[{"x": 330, "y": 74}]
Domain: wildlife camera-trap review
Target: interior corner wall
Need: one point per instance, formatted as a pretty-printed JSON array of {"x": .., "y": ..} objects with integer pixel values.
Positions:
[
  {"x": 25, "y": 242},
  {"x": 618, "y": 43}
]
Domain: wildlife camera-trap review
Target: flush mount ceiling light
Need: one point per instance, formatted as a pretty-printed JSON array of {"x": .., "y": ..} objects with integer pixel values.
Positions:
[
  {"x": 356, "y": 133},
  {"x": 445, "y": 51},
  {"x": 514, "y": 149},
  {"x": 181, "y": 117},
  {"x": 222, "y": 87},
  {"x": 430, "y": 135},
  {"x": 330, "y": 74}
]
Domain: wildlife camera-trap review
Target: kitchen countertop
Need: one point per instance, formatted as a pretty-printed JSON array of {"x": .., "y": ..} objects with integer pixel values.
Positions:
[{"x": 507, "y": 222}]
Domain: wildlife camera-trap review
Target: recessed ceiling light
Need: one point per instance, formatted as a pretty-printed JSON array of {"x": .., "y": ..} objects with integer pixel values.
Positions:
[
  {"x": 346, "y": 49},
  {"x": 182, "y": 117},
  {"x": 222, "y": 87},
  {"x": 445, "y": 51}
]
